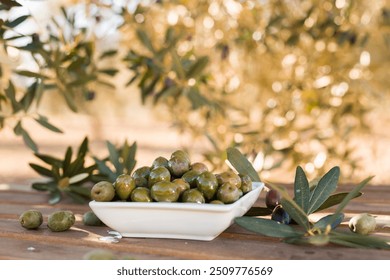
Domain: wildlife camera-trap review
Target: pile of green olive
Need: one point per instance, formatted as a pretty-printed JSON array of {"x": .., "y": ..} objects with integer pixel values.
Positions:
[{"x": 174, "y": 180}]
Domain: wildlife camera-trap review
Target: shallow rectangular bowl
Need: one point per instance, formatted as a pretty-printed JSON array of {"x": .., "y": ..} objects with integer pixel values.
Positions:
[{"x": 173, "y": 220}]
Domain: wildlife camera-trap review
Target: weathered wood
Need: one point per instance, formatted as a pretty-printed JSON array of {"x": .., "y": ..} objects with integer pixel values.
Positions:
[{"x": 234, "y": 243}]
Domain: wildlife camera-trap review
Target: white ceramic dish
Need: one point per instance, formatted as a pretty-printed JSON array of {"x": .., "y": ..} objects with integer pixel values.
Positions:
[{"x": 173, "y": 220}]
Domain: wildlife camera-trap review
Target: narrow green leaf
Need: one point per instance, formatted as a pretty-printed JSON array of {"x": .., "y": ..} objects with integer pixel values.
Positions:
[
  {"x": 83, "y": 149},
  {"x": 109, "y": 71},
  {"x": 258, "y": 211},
  {"x": 325, "y": 221},
  {"x": 108, "y": 53},
  {"x": 67, "y": 160},
  {"x": 326, "y": 185},
  {"x": 10, "y": 3},
  {"x": 48, "y": 125},
  {"x": 335, "y": 199},
  {"x": 76, "y": 167},
  {"x": 114, "y": 157},
  {"x": 295, "y": 212},
  {"x": 291, "y": 207},
  {"x": 128, "y": 155},
  {"x": 85, "y": 192},
  {"x": 10, "y": 92},
  {"x": 31, "y": 74},
  {"x": 145, "y": 40},
  {"x": 197, "y": 68},
  {"x": 197, "y": 100},
  {"x": 16, "y": 21},
  {"x": 301, "y": 189},
  {"x": 267, "y": 227},
  {"x": 105, "y": 170},
  {"x": 350, "y": 195},
  {"x": 241, "y": 164},
  {"x": 177, "y": 66},
  {"x": 29, "y": 141},
  {"x": 40, "y": 186},
  {"x": 18, "y": 129},
  {"x": 70, "y": 101},
  {"x": 367, "y": 241},
  {"x": 41, "y": 170},
  {"x": 49, "y": 159}
]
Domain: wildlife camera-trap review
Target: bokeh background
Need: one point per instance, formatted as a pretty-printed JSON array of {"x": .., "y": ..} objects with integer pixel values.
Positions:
[{"x": 287, "y": 82}]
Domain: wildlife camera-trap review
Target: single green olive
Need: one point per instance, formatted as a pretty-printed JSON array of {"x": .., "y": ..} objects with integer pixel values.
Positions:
[
  {"x": 178, "y": 166},
  {"x": 103, "y": 191},
  {"x": 199, "y": 167},
  {"x": 229, "y": 177},
  {"x": 61, "y": 221},
  {"x": 31, "y": 219},
  {"x": 181, "y": 185},
  {"x": 363, "y": 223},
  {"x": 193, "y": 196},
  {"x": 228, "y": 193},
  {"x": 124, "y": 185},
  {"x": 246, "y": 183},
  {"x": 90, "y": 219},
  {"x": 190, "y": 177},
  {"x": 216, "y": 201},
  {"x": 141, "y": 194},
  {"x": 207, "y": 184},
  {"x": 160, "y": 161},
  {"x": 159, "y": 174},
  {"x": 164, "y": 192},
  {"x": 141, "y": 176},
  {"x": 181, "y": 153}
]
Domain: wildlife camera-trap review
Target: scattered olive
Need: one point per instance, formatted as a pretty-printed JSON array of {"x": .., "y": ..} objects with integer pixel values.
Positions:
[
  {"x": 61, "y": 220},
  {"x": 280, "y": 215},
  {"x": 90, "y": 219},
  {"x": 272, "y": 199},
  {"x": 31, "y": 219},
  {"x": 362, "y": 223}
]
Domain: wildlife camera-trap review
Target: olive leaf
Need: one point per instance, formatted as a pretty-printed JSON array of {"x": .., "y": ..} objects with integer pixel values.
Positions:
[
  {"x": 267, "y": 227},
  {"x": 301, "y": 189},
  {"x": 329, "y": 220},
  {"x": 241, "y": 164},
  {"x": 335, "y": 199},
  {"x": 326, "y": 185}
]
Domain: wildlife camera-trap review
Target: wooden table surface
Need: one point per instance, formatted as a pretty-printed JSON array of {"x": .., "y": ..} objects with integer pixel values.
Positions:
[{"x": 17, "y": 242}]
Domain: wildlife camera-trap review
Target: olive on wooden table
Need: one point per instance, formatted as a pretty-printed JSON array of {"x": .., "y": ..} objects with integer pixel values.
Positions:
[
  {"x": 31, "y": 219},
  {"x": 61, "y": 220},
  {"x": 90, "y": 219}
]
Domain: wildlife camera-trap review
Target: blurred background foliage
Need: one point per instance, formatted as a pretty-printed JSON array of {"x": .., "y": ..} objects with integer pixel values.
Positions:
[{"x": 287, "y": 82}]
